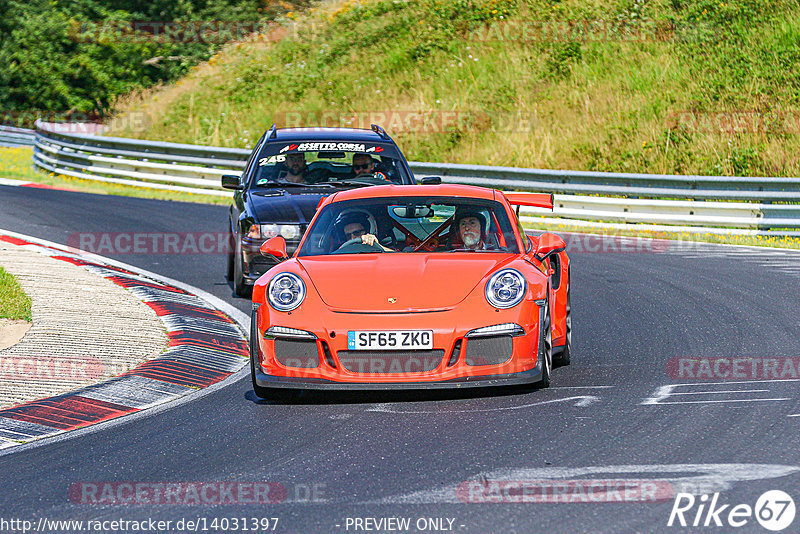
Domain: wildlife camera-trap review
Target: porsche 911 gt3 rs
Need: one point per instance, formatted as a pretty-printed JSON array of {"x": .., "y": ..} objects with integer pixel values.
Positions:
[{"x": 413, "y": 286}]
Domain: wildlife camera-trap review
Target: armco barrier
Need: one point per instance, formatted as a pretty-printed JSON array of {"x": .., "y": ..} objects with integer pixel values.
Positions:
[
  {"x": 16, "y": 137},
  {"x": 722, "y": 204}
]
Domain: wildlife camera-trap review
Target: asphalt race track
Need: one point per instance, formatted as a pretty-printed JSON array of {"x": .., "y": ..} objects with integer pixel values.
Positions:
[{"x": 615, "y": 414}]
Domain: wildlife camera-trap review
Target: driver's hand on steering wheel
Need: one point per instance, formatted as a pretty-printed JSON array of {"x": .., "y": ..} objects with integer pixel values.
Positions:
[{"x": 372, "y": 240}]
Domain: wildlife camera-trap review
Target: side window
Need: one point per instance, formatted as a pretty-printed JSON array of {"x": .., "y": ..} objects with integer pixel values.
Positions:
[
  {"x": 248, "y": 168},
  {"x": 526, "y": 242}
]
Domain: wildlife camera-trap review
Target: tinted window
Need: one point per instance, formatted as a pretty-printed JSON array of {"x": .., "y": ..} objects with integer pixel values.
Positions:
[
  {"x": 329, "y": 162},
  {"x": 413, "y": 224}
]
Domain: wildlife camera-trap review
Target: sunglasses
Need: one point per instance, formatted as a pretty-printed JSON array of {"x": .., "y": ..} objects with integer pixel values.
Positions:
[
  {"x": 366, "y": 166},
  {"x": 354, "y": 234}
]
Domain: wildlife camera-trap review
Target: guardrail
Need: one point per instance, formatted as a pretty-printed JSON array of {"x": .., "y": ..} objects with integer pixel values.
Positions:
[
  {"x": 721, "y": 204},
  {"x": 16, "y": 137}
]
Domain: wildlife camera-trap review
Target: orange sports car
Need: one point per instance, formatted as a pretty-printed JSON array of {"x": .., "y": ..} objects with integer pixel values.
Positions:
[{"x": 413, "y": 286}]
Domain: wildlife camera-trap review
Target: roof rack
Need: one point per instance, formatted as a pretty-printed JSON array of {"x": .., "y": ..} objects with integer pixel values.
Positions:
[
  {"x": 380, "y": 131},
  {"x": 272, "y": 133}
]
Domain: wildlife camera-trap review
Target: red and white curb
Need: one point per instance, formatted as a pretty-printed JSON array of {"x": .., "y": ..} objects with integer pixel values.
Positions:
[
  {"x": 36, "y": 185},
  {"x": 206, "y": 346}
]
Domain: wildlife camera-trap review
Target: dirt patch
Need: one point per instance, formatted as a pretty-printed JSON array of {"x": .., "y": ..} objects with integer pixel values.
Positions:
[{"x": 12, "y": 332}]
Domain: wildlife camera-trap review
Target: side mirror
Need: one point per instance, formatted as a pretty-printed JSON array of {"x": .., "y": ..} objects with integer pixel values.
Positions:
[
  {"x": 431, "y": 180},
  {"x": 275, "y": 246},
  {"x": 549, "y": 244},
  {"x": 230, "y": 181}
]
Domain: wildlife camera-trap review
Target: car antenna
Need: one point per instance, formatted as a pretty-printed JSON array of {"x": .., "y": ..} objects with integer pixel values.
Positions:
[
  {"x": 380, "y": 131},
  {"x": 272, "y": 133}
]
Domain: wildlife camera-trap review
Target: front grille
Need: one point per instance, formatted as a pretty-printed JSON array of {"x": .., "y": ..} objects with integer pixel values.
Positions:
[
  {"x": 492, "y": 350},
  {"x": 396, "y": 361},
  {"x": 293, "y": 353}
]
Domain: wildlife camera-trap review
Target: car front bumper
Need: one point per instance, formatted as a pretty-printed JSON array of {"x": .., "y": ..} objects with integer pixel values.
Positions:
[
  {"x": 329, "y": 365},
  {"x": 530, "y": 376}
]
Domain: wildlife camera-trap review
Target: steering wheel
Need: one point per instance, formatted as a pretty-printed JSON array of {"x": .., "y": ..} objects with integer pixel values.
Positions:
[{"x": 355, "y": 245}]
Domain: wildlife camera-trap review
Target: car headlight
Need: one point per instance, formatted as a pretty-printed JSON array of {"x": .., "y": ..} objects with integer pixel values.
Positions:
[
  {"x": 286, "y": 291},
  {"x": 506, "y": 288},
  {"x": 288, "y": 231},
  {"x": 268, "y": 231}
]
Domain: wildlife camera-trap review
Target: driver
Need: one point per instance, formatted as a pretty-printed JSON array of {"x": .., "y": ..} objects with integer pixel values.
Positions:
[
  {"x": 354, "y": 225},
  {"x": 296, "y": 168},
  {"x": 363, "y": 164}
]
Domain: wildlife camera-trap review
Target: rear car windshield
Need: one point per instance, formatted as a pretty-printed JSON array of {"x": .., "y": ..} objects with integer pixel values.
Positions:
[
  {"x": 412, "y": 225},
  {"x": 329, "y": 162}
]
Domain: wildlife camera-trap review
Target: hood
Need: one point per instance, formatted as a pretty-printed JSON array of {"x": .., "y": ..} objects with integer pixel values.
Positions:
[
  {"x": 279, "y": 206},
  {"x": 418, "y": 282}
]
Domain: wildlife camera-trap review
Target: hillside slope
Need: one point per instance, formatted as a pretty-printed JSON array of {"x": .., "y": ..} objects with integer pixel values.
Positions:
[{"x": 672, "y": 86}]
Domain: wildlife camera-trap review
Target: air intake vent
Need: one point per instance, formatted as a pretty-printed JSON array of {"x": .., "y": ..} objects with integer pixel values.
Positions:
[
  {"x": 291, "y": 353},
  {"x": 381, "y": 362},
  {"x": 489, "y": 350}
]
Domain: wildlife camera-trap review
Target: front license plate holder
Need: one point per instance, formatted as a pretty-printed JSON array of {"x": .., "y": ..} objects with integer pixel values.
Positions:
[{"x": 390, "y": 339}]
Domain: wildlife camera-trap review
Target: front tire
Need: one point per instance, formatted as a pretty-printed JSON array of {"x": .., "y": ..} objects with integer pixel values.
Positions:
[
  {"x": 564, "y": 356},
  {"x": 545, "y": 351},
  {"x": 229, "y": 272},
  {"x": 239, "y": 287},
  {"x": 265, "y": 393}
]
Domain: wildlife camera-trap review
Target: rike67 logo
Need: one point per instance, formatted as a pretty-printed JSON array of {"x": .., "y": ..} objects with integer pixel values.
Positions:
[{"x": 774, "y": 510}]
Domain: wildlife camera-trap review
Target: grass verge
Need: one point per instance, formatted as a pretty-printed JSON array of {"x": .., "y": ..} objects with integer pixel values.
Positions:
[
  {"x": 14, "y": 303},
  {"x": 656, "y": 86},
  {"x": 16, "y": 163}
]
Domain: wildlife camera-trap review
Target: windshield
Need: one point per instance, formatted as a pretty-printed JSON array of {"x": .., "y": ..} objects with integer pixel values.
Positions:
[
  {"x": 411, "y": 224},
  {"x": 329, "y": 163}
]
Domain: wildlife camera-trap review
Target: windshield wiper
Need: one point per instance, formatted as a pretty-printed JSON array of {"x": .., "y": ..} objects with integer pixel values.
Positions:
[
  {"x": 272, "y": 185},
  {"x": 349, "y": 182},
  {"x": 281, "y": 184}
]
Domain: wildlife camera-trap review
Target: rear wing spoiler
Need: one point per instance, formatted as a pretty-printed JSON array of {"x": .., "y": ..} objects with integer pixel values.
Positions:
[{"x": 538, "y": 200}]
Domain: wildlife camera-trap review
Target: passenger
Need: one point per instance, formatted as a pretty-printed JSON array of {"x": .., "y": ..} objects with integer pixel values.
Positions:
[
  {"x": 470, "y": 226},
  {"x": 363, "y": 164}
]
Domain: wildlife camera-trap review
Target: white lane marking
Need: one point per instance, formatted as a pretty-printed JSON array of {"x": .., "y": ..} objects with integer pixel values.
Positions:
[
  {"x": 734, "y": 382},
  {"x": 581, "y": 400},
  {"x": 724, "y": 400},
  {"x": 721, "y": 392},
  {"x": 706, "y": 478},
  {"x": 665, "y": 392},
  {"x": 581, "y": 387}
]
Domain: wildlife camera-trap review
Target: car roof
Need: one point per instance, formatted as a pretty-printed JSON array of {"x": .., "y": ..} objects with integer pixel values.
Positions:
[
  {"x": 327, "y": 134},
  {"x": 443, "y": 190}
]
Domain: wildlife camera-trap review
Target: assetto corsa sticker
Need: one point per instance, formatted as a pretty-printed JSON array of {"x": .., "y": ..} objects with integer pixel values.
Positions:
[{"x": 316, "y": 147}]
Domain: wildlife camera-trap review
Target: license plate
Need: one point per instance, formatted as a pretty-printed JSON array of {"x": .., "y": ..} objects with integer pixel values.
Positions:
[{"x": 389, "y": 339}]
